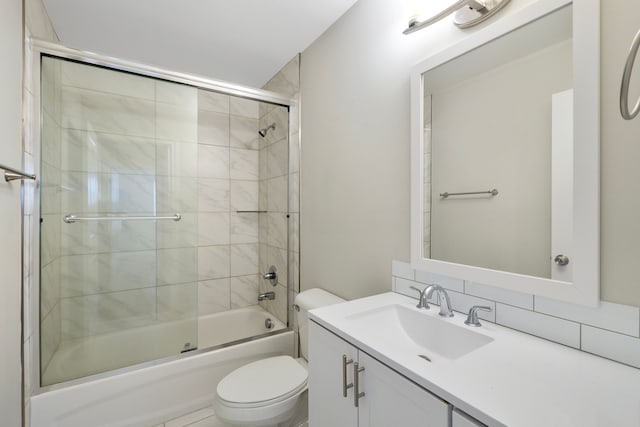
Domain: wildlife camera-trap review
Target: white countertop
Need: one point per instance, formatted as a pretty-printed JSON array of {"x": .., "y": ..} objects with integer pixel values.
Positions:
[{"x": 515, "y": 380}]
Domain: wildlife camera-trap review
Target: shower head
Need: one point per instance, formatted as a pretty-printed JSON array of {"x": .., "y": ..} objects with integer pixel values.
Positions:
[{"x": 263, "y": 132}]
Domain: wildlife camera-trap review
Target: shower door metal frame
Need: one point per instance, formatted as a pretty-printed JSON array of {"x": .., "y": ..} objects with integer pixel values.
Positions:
[{"x": 40, "y": 48}]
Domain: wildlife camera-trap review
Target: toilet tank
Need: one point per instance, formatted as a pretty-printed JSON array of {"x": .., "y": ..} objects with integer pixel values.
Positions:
[{"x": 308, "y": 300}]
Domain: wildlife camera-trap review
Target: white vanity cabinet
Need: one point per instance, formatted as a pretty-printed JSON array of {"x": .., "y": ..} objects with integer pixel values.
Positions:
[
  {"x": 460, "y": 419},
  {"x": 388, "y": 398}
]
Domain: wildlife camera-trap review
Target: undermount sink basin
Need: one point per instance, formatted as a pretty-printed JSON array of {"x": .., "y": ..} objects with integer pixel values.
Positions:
[{"x": 406, "y": 329}]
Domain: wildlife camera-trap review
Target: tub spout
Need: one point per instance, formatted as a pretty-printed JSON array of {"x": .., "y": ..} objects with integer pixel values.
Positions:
[{"x": 267, "y": 296}]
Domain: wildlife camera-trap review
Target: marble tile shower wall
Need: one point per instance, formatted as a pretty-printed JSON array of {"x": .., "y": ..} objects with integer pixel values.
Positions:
[
  {"x": 50, "y": 205},
  {"x": 610, "y": 330},
  {"x": 127, "y": 147},
  {"x": 154, "y": 148},
  {"x": 279, "y": 177}
]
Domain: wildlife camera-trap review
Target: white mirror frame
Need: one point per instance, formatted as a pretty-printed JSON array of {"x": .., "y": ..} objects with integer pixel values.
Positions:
[{"x": 585, "y": 257}]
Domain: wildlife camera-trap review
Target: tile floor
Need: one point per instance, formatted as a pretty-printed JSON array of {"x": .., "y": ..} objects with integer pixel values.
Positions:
[{"x": 206, "y": 418}]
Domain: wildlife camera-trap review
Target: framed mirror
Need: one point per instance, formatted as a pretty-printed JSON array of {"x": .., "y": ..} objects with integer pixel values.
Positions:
[{"x": 505, "y": 154}]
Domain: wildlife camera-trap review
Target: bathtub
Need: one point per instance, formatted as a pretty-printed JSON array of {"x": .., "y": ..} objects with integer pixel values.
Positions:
[{"x": 158, "y": 390}]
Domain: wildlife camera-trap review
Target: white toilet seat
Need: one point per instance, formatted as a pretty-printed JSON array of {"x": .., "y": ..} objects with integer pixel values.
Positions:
[
  {"x": 267, "y": 389},
  {"x": 263, "y": 382}
]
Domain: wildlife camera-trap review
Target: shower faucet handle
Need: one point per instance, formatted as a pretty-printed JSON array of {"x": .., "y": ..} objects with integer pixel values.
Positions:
[{"x": 271, "y": 275}]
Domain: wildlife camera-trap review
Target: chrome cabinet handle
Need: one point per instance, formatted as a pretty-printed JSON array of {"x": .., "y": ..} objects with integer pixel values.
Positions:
[
  {"x": 357, "y": 394},
  {"x": 345, "y": 386}
]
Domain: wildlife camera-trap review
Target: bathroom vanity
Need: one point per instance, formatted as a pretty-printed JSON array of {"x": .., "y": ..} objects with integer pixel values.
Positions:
[{"x": 381, "y": 361}]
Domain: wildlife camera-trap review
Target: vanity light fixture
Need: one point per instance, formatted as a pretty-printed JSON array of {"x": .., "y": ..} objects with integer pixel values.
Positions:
[{"x": 467, "y": 14}]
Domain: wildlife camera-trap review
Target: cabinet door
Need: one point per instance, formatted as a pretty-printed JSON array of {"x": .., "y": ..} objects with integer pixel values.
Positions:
[
  {"x": 327, "y": 405},
  {"x": 460, "y": 419},
  {"x": 392, "y": 400}
]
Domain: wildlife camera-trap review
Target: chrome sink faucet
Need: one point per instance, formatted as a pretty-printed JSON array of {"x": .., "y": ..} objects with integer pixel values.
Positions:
[
  {"x": 422, "y": 303},
  {"x": 443, "y": 297}
]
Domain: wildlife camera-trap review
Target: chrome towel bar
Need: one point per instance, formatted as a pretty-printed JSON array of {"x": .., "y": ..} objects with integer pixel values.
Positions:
[
  {"x": 73, "y": 218},
  {"x": 493, "y": 192},
  {"x": 12, "y": 174},
  {"x": 626, "y": 79}
]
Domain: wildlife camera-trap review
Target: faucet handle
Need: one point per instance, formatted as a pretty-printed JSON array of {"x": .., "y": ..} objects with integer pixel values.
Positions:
[
  {"x": 472, "y": 318},
  {"x": 422, "y": 303}
]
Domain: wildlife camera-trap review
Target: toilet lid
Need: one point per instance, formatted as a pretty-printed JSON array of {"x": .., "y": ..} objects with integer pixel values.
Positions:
[{"x": 275, "y": 378}]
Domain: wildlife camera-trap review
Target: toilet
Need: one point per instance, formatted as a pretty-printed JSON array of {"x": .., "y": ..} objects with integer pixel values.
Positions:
[{"x": 266, "y": 393}]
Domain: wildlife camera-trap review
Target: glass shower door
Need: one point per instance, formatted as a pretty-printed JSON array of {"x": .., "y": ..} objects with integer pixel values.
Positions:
[{"x": 119, "y": 223}]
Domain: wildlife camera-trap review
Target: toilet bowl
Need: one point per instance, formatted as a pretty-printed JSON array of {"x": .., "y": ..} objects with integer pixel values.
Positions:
[{"x": 266, "y": 393}]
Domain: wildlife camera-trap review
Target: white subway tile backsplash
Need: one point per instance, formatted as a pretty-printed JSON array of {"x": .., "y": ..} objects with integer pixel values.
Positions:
[
  {"x": 402, "y": 269},
  {"x": 610, "y": 330},
  {"x": 444, "y": 281},
  {"x": 614, "y": 317},
  {"x": 548, "y": 327},
  {"x": 505, "y": 296},
  {"x": 611, "y": 345}
]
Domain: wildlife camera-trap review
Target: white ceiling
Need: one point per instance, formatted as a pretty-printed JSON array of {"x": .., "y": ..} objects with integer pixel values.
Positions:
[{"x": 240, "y": 41}]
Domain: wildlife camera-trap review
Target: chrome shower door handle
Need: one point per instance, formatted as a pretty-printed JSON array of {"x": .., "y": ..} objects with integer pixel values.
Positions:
[
  {"x": 345, "y": 386},
  {"x": 357, "y": 394}
]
